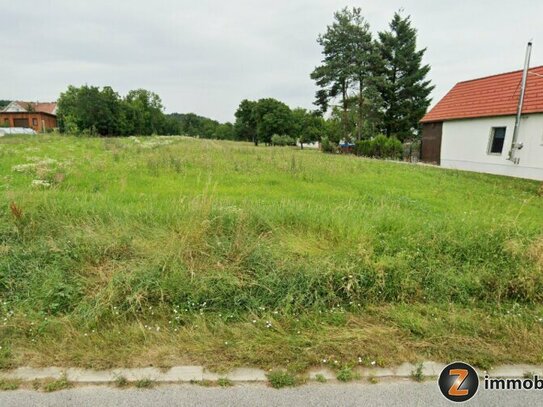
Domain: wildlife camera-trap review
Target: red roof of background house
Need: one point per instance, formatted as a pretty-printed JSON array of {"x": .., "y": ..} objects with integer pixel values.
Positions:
[
  {"x": 495, "y": 95},
  {"x": 45, "y": 107}
]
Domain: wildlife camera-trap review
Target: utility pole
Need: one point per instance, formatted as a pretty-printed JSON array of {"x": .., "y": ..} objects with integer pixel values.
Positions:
[{"x": 515, "y": 145}]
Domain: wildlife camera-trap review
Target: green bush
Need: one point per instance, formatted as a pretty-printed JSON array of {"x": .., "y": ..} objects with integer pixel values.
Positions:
[
  {"x": 364, "y": 148},
  {"x": 277, "y": 140},
  {"x": 380, "y": 147},
  {"x": 393, "y": 149},
  {"x": 327, "y": 146},
  {"x": 285, "y": 140}
]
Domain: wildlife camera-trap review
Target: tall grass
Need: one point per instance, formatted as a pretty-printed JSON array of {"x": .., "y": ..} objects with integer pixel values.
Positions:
[{"x": 172, "y": 230}]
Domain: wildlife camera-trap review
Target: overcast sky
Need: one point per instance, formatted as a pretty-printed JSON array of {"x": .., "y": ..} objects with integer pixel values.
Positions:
[{"x": 206, "y": 56}]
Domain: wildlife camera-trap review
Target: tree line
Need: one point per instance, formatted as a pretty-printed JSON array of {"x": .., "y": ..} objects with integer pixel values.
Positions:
[
  {"x": 190, "y": 124},
  {"x": 95, "y": 111},
  {"x": 101, "y": 111},
  {"x": 90, "y": 110}
]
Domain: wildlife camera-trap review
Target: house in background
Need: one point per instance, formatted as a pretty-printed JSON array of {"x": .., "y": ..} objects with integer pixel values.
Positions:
[
  {"x": 472, "y": 127},
  {"x": 34, "y": 115}
]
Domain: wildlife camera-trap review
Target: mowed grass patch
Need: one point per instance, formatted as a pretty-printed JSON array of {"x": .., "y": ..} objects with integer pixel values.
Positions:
[{"x": 173, "y": 250}]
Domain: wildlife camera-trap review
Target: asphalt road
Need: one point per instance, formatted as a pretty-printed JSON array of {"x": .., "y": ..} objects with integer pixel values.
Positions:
[{"x": 391, "y": 394}]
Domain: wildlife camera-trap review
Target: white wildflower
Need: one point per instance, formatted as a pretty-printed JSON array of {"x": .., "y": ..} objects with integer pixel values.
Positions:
[
  {"x": 32, "y": 166},
  {"x": 40, "y": 183},
  {"x": 23, "y": 167}
]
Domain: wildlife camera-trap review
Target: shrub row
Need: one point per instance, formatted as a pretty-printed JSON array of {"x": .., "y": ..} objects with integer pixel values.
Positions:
[
  {"x": 380, "y": 147},
  {"x": 328, "y": 146},
  {"x": 285, "y": 140}
]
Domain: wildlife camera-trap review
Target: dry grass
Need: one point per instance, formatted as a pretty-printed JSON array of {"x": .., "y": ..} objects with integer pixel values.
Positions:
[
  {"x": 535, "y": 252},
  {"x": 383, "y": 335}
]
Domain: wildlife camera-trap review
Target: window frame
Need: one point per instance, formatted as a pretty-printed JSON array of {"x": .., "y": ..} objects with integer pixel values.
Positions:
[
  {"x": 491, "y": 140},
  {"x": 26, "y": 125}
]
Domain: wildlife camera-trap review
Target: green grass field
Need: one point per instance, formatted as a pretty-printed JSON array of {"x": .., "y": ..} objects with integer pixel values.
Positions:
[{"x": 161, "y": 251}]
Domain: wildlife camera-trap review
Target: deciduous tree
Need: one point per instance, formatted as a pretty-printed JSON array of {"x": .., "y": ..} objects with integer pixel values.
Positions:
[
  {"x": 245, "y": 125},
  {"x": 272, "y": 117},
  {"x": 307, "y": 127}
]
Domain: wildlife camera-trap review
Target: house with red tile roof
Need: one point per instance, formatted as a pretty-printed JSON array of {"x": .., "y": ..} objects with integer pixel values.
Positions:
[
  {"x": 472, "y": 127},
  {"x": 38, "y": 116}
]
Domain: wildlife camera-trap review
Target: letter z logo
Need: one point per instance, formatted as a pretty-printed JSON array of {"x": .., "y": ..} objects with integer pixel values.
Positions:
[
  {"x": 461, "y": 374},
  {"x": 458, "y": 382}
]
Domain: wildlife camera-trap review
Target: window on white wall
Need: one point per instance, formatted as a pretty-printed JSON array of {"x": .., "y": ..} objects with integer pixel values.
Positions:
[{"x": 497, "y": 138}]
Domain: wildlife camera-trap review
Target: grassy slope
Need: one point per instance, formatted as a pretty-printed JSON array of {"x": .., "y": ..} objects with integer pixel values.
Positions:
[{"x": 162, "y": 252}]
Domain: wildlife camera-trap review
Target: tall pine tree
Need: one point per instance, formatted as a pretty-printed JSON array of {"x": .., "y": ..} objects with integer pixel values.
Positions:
[
  {"x": 363, "y": 55},
  {"x": 347, "y": 48},
  {"x": 404, "y": 88}
]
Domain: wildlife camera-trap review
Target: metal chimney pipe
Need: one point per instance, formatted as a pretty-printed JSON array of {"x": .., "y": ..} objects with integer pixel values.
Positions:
[{"x": 514, "y": 143}]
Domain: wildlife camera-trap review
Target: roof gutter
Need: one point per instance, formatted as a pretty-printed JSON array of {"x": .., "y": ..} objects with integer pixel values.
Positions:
[{"x": 515, "y": 145}]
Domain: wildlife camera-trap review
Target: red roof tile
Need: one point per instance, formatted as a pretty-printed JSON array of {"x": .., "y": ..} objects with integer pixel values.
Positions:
[
  {"x": 45, "y": 107},
  {"x": 490, "y": 96}
]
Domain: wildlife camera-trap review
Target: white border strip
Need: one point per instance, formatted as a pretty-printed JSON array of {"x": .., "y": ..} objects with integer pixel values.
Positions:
[{"x": 184, "y": 374}]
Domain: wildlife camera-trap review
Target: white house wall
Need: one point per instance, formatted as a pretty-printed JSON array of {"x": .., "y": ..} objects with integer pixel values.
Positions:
[{"x": 465, "y": 146}]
